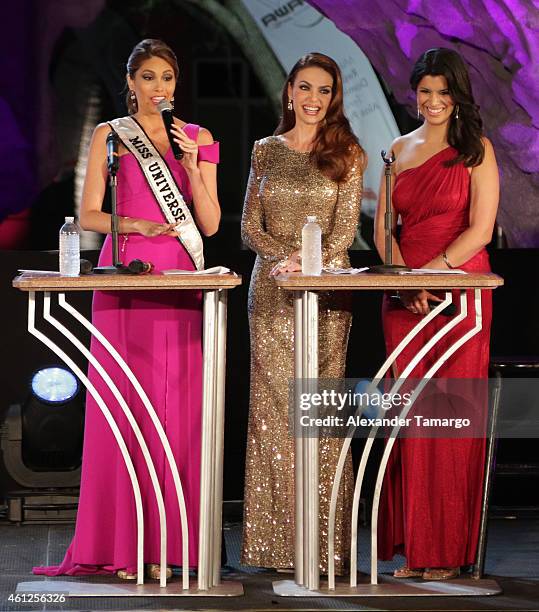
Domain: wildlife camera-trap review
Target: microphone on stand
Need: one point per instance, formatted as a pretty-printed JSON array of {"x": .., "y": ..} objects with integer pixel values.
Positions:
[
  {"x": 113, "y": 159},
  {"x": 388, "y": 267},
  {"x": 165, "y": 108},
  {"x": 136, "y": 266},
  {"x": 113, "y": 165}
]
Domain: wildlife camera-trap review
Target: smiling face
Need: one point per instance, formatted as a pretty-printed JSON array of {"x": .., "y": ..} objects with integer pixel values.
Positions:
[
  {"x": 153, "y": 81},
  {"x": 434, "y": 100},
  {"x": 311, "y": 94}
]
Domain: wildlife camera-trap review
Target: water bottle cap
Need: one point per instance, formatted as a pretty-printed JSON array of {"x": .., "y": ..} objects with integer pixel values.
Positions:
[
  {"x": 70, "y": 219},
  {"x": 311, "y": 219}
]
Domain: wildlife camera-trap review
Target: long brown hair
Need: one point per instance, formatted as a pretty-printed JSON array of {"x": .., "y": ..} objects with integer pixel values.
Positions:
[
  {"x": 142, "y": 51},
  {"x": 464, "y": 133},
  {"x": 335, "y": 148}
]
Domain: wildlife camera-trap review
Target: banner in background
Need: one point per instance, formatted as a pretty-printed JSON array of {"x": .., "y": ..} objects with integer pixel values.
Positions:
[{"x": 294, "y": 28}]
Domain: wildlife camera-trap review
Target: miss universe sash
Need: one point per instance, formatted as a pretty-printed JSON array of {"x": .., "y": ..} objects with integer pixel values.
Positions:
[{"x": 162, "y": 184}]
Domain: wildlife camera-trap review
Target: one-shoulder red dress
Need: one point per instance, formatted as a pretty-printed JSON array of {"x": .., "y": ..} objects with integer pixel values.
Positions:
[{"x": 431, "y": 499}]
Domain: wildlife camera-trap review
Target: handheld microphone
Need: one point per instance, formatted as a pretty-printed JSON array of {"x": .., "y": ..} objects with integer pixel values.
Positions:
[
  {"x": 448, "y": 311},
  {"x": 113, "y": 159},
  {"x": 165, "y": 108},
  {"x": 138, "y": 266}
]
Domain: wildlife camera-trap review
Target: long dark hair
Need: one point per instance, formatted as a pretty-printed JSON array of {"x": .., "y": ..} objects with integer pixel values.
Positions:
[
  {"x": 464, "y": 133},
  {"x": 335, "y": 148},
  {"x": 142, "y": 51}
]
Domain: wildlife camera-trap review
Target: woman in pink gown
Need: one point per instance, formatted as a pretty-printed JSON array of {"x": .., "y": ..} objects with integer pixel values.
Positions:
[
  {"x": 446, "y": 193},
  {"x": 158, "y": 333}
]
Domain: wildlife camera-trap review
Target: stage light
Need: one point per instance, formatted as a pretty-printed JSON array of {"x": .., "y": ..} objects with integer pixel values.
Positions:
[
  {"x": 53, "y": 421},
  {"x": 54, "y": 385},
  {"x": 41, "y": 449}
]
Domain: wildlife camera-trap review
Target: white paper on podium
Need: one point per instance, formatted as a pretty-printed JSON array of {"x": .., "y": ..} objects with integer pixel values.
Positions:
[
  {"x": 47, "y": 272},
  {"x": 344, "y": 270},
  {"x": 214, "y": 270},
  {"x": 432, "y": 271}
]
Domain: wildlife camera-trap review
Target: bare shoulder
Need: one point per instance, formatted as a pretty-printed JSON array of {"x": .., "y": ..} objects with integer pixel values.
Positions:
[
  {"x": 101, "y": 132},
  {"x": 489, "y": 159},
  {"x": 179, "y": 122},
  {"x": 489, "y": 149},
  {"x": 204, "y": 137},
  {"x": 404, "y": 142}
]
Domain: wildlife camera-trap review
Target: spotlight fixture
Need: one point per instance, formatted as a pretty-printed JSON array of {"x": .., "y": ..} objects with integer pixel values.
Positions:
[
  {"x": 54, "y": 385},
  {"x": 53, "y": 421}
]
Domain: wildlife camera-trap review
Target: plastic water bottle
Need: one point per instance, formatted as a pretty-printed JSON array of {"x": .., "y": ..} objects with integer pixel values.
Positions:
[
  {"x": 311, "y": 248},
  {"x": 69, "y": 248}
]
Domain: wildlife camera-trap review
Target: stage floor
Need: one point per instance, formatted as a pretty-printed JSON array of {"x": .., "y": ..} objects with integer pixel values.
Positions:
[{"x": 512, "y": 560}]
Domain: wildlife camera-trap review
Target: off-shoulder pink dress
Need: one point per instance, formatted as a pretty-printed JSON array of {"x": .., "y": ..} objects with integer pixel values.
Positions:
[{"x": 159, "y": 334}]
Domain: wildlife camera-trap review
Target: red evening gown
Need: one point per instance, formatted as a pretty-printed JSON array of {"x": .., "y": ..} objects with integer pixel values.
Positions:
[
  {"x": 431, "y": 499},
  {"x": 159, "y": 335}
]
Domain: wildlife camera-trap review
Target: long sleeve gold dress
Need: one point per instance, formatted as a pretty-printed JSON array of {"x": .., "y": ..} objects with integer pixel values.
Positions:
[{"x": 284, "y": 187}]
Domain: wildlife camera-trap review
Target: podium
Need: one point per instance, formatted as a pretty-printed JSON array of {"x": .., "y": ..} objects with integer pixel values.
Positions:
[
  {"x": 305, "y": 290},
  {"x": 215, "y": 290}
]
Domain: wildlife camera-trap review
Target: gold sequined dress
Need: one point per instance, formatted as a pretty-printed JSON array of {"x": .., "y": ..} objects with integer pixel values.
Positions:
[{"x": 284, "y": 187}]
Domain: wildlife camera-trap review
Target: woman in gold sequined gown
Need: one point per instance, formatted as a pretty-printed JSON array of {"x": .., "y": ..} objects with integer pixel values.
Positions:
[{"x": 313, "y": 165}]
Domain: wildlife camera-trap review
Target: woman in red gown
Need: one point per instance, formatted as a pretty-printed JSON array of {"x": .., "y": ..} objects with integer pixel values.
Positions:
[{"x": 445, "y": 190}]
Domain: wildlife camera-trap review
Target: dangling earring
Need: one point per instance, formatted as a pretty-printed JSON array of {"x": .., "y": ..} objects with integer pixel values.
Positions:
[
  {"x": 133, "y": 97},
  {"x": 418, "y": 113},
  {"x": 289, "y": 105},
  {"x": 457, "y": 112},
  {"x": 172, "y": 102}
]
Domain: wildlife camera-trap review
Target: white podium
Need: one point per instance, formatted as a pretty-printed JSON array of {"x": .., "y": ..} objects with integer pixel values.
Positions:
[
  {"x": 215, "y": 289},
  {"x": 307, "y": 579}
]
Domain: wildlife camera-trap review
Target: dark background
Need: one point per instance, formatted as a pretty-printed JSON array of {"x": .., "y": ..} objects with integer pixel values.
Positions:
[
  {"x": 515, "y": 331},
  {"x": 49, "y": 87}
]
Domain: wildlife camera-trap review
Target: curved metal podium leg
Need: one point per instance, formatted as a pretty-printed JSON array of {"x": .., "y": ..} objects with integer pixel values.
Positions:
[
  {"x": 110, "y": 420},
  {"x": 134, "y": 425},
  {"x": 160, "y": 431},
  {"x": 365, "y": 456},
  {"x": 391, "y": 441}
]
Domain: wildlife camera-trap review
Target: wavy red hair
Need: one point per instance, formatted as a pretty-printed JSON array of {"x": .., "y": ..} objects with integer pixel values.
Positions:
[{"x": 336, "y": 147}]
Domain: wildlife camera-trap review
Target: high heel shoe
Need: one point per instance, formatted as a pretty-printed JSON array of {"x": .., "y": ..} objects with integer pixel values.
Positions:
[
  {"x": 153, "y": 571},
  {"x": 123, "y": 574},
  {"x": 441, "y": 573},
  {"x": 408, "y": 572}
]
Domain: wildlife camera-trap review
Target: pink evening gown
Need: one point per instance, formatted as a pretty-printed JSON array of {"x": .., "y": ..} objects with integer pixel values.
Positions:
[{"x": 159, "y": 334}]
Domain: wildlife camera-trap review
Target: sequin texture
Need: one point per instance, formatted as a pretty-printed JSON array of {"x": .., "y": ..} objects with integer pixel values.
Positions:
[{"x": 284, "y": 187}]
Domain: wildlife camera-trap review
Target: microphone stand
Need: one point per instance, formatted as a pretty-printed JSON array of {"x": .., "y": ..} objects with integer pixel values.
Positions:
[
  {"x": 388, "y": 267},
  {"x": 113, "y": 167}
]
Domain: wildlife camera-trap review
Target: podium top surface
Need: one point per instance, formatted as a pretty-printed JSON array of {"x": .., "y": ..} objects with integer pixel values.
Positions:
[
  {"x": 30, "y": 281},
  {"x": 295, "y": 281}
]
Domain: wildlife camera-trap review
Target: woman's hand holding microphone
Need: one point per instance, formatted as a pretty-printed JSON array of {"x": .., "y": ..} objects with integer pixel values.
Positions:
[{"x": 189, "y": 147}]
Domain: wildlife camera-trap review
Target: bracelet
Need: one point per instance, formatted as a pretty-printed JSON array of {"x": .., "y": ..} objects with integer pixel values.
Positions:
[{"x": 446, "y": 261}]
